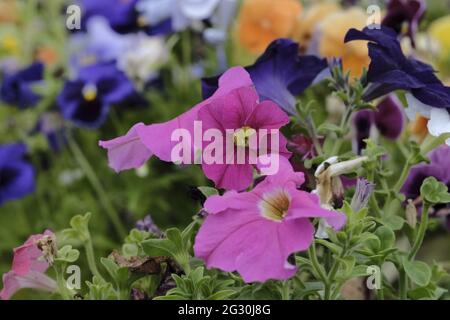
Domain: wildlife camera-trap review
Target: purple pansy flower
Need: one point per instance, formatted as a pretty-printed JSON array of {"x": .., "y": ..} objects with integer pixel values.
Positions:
[
  {"x": 439, "y": 167},
  {"x": 390, "y": 70},
  {"x": 401, "y": 11},
  {"x": 279, "y": 74},
  {"x": 16, "y": 89},
  {"x": 16, "y": 174},
  {"x": 388, "y": 119},
  {"x": 86, "y": 100},
  {"x": 121, "y": 14}
]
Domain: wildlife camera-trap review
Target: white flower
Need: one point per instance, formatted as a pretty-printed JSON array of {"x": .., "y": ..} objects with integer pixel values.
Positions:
[
  {"x": 182, "y": 12},
  {"x": 142, "y": 61},
  {"x": 439, "y": 117}
]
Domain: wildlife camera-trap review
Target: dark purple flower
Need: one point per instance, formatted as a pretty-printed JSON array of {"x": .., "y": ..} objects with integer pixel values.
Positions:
[
  {"x": 16, "y": 174},
  {"x": 388, "y": 119},
  {"x": 16, "y": 89},
  {"x": 121, "y": 14},
  {"x": 404, "y": 11},
  {"x": 86, "y": 100},
  {"x": 390, "y": 70},
  {"x": 439, "y": 167},
  {"x": 279, "y": 74}
]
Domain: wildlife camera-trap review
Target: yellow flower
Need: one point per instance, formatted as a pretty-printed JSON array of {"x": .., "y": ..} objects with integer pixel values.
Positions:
[
  {"x": 262, "y": 21},
  {"x": 309, "y": 20},
  {"x": 9, "y": 43},
  {"x": 331, "y": 33},
  {"x": 439, "y": 30}
]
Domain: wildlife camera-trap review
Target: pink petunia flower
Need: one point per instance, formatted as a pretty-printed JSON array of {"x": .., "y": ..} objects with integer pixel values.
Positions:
[
  {"x": 255, "y": 232},
  {"x": 234, "y": 105},
  {"x": 28, "y": 268},
  {"x": 241, "y": 112}
]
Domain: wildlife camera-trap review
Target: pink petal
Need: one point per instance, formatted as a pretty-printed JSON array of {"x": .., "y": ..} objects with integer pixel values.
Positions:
[
  {"x": 128, "y": 151},
  {"x": 34, "y": 280},
  {"x": 229, "y": 176},
  {"x": 27, "y": 256},
  {"x": 230, "y": 200},
  {"x": 307, "y": 205},
  {"x": 285, "y": 177},
  {"x": 267, "y": 115},
  {"x": 155, "y": 139},
  {"x": 267, "y": 251}
]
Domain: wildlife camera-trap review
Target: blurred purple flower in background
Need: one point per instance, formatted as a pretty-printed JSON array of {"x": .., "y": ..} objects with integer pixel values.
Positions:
[
  {"x": 16, "y": 88},
  {"x": 400, "y": 12},
  {"x": 388, "y": 119},
  {"x": 86, "y": 100},
  {"x": 439, "y": 167},
  {"x": 148, "y": 225},
  {"x": 16, "y": 174}
]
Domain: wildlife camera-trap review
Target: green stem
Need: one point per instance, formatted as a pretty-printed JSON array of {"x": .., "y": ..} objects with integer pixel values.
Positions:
[
  {"x": 95, "y": 182},
  {"x": 315, "y": 263},
  {"x": 285, "y": 290},
  {"x": 421, "y": 231},
  {"x": 403, "y": 176},
  {"x": 88, "y": 247},
  {"x": 403, "y": 284},
  {"x": 61, "y": 283}
]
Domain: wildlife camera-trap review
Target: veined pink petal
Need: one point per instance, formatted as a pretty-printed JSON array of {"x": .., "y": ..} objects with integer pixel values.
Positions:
[
  {"x": 128, "y": 151},
  {"x": 230, "y": 200},
  {"x": 155, "y": 139},
  {"x": 267, "y": 115},
  {"x": 269, "y": 247},
  {"x": 305, "y": 204},
  {"x": 229, "y": 176},
  {"x": 33, "y": 280}
]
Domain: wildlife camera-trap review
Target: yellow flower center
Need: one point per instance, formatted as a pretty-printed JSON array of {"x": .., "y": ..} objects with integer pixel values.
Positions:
[
  {"x": 242, "y": 136},
  {"x": 274, "y": 205},
  {"x": 89, "y": 92}
]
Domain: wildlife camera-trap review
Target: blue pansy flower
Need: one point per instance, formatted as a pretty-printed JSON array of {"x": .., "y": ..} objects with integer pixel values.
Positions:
[
  {"x": 17, "y": 88},
  {"x": 121, "y": 14},
  {"x": 16, "y": 174},
  {"x": 390, "y": 70},
  {"x": 86, "y": 100},
  {"x": 279, "y": 74}
]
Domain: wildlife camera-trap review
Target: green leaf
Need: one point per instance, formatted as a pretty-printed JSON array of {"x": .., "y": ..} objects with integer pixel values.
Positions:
[
  {"x": 434, "y": 191},
  {"x": 159, "y": 247},
  {"x": 221, "y": 295},
  {"x": 110, "y": 266},
  {"x": 419, "y": 272},
  {"x": 386, "y": 236},
  {"x": 67, "y": 254},
  {"x": 208, "y": 191}
]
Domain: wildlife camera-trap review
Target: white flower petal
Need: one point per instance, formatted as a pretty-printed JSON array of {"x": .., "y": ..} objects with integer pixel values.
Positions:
[
  {"x": 197, "y": 9},
  {"x": 439, "y": 122},
  {"x": 415, "y": 106}
]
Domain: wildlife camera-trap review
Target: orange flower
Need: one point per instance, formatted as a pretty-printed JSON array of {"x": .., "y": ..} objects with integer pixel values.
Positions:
[
  {"x": 331, "y": 40},
  {"x": 8, "y": 11},
  {"x": 309, "y": 20},
  {"x": 262, "y": 21},
  {"x": 419, "y": 127},
  {"x": 47, "y": 55}
]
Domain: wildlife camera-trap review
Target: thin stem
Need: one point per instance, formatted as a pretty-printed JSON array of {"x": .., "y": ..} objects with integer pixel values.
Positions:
[
  {"x": 285, "y": 290},
  {"x": 403, "y": 284},
  {"x": 61, "y": 283},
  {"x": 88, "y": 247},
  {"x": 315, "y": 263},
  {"x": 421, "y": 231},
  {"x": 95, "y": 183},
  {"x": 403, "y": 176}
]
